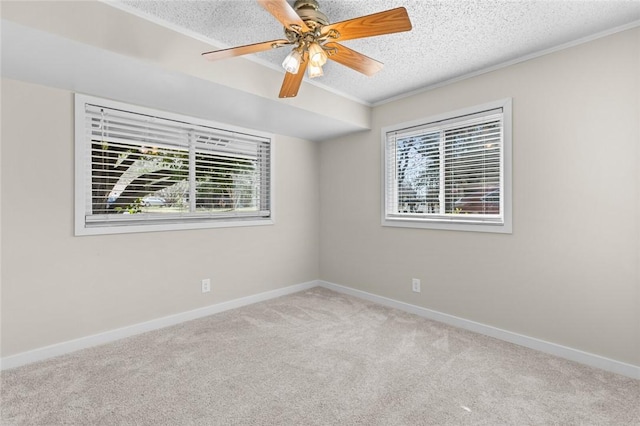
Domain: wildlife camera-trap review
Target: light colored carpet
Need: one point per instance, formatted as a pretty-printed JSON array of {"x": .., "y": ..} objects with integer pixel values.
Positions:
[{"x": 315, "y": 358}]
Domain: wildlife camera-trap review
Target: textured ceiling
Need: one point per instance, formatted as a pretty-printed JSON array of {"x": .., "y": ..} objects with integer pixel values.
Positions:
[{"x": 450, "y": 38}]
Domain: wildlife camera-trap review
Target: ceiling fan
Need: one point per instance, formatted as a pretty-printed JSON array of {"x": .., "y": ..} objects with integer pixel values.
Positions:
[{"x": 315, "y": 40}]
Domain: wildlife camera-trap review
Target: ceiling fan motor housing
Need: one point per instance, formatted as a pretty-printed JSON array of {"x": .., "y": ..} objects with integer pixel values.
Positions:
[{"x": 308, "y": 11}]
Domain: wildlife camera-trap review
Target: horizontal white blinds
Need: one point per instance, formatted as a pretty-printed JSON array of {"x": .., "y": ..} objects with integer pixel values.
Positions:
[
  {"x": 146, "y": 168},
  {"x": 448, "y": 170},
  {"x": 111, "y": 125},
  {"x": 472, "y": 167}
]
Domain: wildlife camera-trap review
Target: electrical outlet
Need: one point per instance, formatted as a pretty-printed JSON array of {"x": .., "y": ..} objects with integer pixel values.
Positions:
[
  {"x": 206, "y": 285},
  {"x": 415, "y": 285}
]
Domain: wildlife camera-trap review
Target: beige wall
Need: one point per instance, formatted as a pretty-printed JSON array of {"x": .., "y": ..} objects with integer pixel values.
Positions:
[
  {"x": 569, "y": 272},
  {"x": 57, "y": 287}
]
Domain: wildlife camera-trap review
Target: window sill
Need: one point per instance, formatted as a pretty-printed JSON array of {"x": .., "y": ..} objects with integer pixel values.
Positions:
[
  {"x": 81, "y": 229},
  {"x": 449, "y": 225}
]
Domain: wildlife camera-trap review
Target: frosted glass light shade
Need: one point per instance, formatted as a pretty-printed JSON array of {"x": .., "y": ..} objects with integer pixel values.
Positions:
[
  {"x": 315, "y": 71},
  {"x": 317, "y": 56},
  {"x": 292, "y": 62}
]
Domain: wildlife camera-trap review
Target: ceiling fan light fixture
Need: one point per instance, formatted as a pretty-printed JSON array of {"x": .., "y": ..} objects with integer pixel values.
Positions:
[
  {"x": 315, "y": 40},
  {"x": 292, "y": 62},
  {"x": 315, "y": 71},
  {"x": 317, "y": 55}
]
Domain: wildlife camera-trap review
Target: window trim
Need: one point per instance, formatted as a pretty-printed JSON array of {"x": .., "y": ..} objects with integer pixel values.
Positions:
[
  {"x": 455, "y": 224},
  {"x": 82, "y": 148}
]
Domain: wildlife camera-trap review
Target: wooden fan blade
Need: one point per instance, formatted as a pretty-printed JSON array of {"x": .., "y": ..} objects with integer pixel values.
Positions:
[
  {"x": 284, "y": 13},
  {"x": 292, "y": 82},
  {"x": 354, "y": 60},
  {"x": 388, "y": 22},
  {"x": 244, "y": 50}
]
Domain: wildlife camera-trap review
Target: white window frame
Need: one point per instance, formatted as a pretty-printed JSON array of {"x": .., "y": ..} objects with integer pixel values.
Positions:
[
  {"x": 83, "y": 177},
  {"x": 455, "y": 222}
]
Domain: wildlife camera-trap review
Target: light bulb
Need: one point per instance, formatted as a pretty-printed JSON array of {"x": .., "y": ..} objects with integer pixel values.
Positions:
[
  {"x": 315, "y": 71},
  {"x": 292, "y": 62},
  {"x": 317, "y": 56}
]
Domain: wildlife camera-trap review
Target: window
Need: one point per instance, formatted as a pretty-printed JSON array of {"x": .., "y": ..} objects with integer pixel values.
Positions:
[
  {"x": 451, "y": 171},
  {"x": 143, "y": 170}
]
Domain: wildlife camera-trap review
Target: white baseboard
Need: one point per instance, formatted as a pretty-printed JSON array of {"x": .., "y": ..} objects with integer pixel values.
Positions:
[
  {"x": 57, "y": 349},
  {"x": 576, "y": 355}
]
